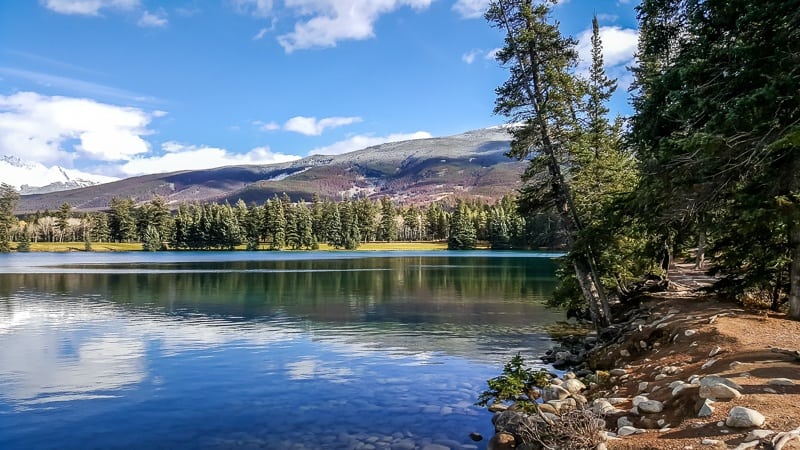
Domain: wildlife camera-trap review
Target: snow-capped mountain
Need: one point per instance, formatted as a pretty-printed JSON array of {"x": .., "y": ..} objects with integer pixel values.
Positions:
[{"x": 36, "y": 178}]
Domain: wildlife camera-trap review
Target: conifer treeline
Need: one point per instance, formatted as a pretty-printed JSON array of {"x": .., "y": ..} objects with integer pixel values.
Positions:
[{"x": 280, "y": 223}]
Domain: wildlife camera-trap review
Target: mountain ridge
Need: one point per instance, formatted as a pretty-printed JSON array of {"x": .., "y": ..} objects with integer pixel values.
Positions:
[{"x": 470, "y": 164}]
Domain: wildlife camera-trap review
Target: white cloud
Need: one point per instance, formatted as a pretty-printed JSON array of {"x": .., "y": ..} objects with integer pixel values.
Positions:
[
  {"x": 310, "y": 126},
  {"x": 607, "y": 17},
  {"x": 471, "y": 9},
  {"x": 191, "y": 157},
  {"x": 256, "y": 8},
  {"x": 75, "y": 85},
  {"x": 331, "y": 21},
  {"x": 156, "y": 19},
  {"x": 619, "y": 48},
  {"x": 270, "y": 126},
  {"x": 88, "y": 7},
  {"x": 470, "y": 56},
  {"x": 59, "y": 129},
  {"x": 261, "y": 33},
  {"x": 362, "y": 141}
]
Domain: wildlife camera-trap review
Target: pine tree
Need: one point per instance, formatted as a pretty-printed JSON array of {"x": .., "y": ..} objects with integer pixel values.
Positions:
[
  {"x": 121, "y": 223},
  {"x": 462, "y": 229},
  {"x": 8, "y": 201},
  {"x": 544, "y": 95}
]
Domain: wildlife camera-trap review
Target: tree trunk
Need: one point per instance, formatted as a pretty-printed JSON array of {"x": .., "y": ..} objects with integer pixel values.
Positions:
[
  {"x": 700, "y": 257},
  {"x": 794, "y": 271}
]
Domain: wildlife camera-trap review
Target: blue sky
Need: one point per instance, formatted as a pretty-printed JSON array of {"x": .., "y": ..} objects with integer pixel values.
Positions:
[{"x": 125, "y": 87}]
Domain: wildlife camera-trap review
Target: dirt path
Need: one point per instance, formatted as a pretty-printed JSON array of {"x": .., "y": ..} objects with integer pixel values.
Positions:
[{"x": 690, "y": 334}]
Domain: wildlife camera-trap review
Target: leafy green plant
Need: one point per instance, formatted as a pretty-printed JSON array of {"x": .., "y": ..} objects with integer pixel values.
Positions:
[{"x": 517, "y": 384}]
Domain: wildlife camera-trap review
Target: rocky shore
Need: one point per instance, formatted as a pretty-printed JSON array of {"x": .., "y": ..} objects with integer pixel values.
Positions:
[{"x": 679, "y": 371}]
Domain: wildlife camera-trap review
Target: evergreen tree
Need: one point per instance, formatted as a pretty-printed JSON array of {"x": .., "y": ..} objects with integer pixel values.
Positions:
[
  {"x": 544, "y": 95},
  {"x": 24, "y": 243},
  {"x": 462, "y": 229},
  {"x": 8, "y": 201},
  {"x": 387, "y": 231},
  {"x": 152, "y": 239},
  {"x": 121, "y": 222},
  {"x": 62, "y": 220}
]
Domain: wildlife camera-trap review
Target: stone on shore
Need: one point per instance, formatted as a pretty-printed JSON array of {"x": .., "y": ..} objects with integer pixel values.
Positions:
[{"x": 741, "y": 417}]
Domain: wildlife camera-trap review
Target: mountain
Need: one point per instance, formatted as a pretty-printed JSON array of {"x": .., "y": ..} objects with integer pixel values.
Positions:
[
  {"x": 36, "y": 178},
  {"x": 472, "y": 164}
]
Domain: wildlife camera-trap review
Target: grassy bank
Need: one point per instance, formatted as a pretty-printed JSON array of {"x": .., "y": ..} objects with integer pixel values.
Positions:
[{"x": 129, "y": 247}]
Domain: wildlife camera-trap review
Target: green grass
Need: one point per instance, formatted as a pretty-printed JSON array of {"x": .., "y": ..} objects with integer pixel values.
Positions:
[{"x": 135, "y": 246}]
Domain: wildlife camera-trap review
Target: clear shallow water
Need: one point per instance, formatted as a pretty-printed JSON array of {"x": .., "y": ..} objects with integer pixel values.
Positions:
[{"x": 261, "y": 350}]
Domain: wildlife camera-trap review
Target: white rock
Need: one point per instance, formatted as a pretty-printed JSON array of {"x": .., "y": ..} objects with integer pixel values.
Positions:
[
  {"x": 708, "y": 441},
  {"x": 624, "y": 353},
  {"x": 688, "y": 333},
  {"x": 757, "y": 435},
  {"x": 570, "y": 376},
  {"x": 660, "y": 376},
  {"x": 719, "y": 392},
  {"x": 554, "y": 392},
  {"x": 661, "y": 422},
  {"x": 770, "y": 391},
  {"x": 627, "y": 431},
  {"x": 643, "y": 345},
  {"x": 616, "y": 400},
  {"x": 736, "y": 364},
  {"x": 715, "y": 379},
  {"x": 714, "y": 351},
  {"x": 675, "y": 384},
  {"x": 643, "y": 386},
  {"x": 639, "y": 399},
  {"x": 741, "y": 417},
  {"x": 671, "y": 370},
  {"x": 706, "y": 410},
  {"x": 651, "y": 406},
  {"x": 780, "y": 382},
  {"x": 573, "y": 385},
  {"x": 624, "y": 422},
  {"x": 709, "y": 363},
  {"x": 602, "y": 407},
  {"x": 557, "y": 381}
]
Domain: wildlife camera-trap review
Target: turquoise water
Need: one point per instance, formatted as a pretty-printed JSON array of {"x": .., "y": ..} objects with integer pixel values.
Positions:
[{"x": 261, "y": 350}]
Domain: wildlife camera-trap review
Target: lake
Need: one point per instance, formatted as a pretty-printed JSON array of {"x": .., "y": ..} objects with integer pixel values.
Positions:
[{"x": 294, "y": 350}]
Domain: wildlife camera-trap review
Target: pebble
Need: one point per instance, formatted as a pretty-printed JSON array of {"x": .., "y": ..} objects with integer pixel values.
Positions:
[
  {"x": 618, "y": 372},
  {"x": 643, "y": 386},
  {"x": 709, "y": 363},
  {"x": 688, "y": 333},
  {"x": 624, "y": 353},
  {"x": 708, "y": 441},
  {"x": 714, "y": 351},
  {"x": 627, "y": 431},
  {"x": 651, "y": 406}
]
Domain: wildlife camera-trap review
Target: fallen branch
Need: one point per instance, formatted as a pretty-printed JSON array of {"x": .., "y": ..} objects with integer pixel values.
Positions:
[{"x": 782, "y": 439}]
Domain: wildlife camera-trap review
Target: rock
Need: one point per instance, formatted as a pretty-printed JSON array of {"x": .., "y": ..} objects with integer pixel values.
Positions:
[
  {"x": 741, "y": 417},
  {"x": 574, "y": 386},
  {"x": 714, "y": 351},
  {"x": 639, "y": 399},
  {"x": 602, "y": 407},
  {"x": 661, "y": 422},
  {"x": 601, "y": 446},
  {"x": 757, "y": 435},
  {"x": 780, "y": 382},
  {"x": 643, "y": 386},
  {"x": 624, "y": 422},
  {"x": 617, "y": 372},
  {"x": 569, "y": 376},
  {"x": 475, "y": 436},
  {"x": 670, "y": 370},
  {"x": 660, "y": 376},
  {"x": 688, "y": 333},
  {"x": 709, "y": 363},
  {"x": 627, "y": 431},
  {"x": 497, "y": 407},
  {"x": 501, "y": 441},
  {"x": 735, "y": 364},
  {"x": 706, "y": 409},
  {"x": 557, "y": 381},
  {"x": 680, "y": 388},
  {"x": 770, "y": 391},
  {"x": 616, "y": 400},
  {"x": 719, "y": 392},
  {"x": 708, "y": 441},
  {"x": 554, "y": 392},
  {"x": 651, "y": 406},
  {"x": 624, "y": 353},
  {"x": 715, "y": 379},
  {"x": 643, "y": 345}
]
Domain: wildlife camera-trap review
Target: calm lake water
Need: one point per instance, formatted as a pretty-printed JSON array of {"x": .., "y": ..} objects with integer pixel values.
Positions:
[{"x": 261, "y": 350}]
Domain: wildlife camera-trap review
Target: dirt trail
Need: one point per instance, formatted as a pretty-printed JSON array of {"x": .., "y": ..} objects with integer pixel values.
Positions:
[{"x": 701, "y": 335}]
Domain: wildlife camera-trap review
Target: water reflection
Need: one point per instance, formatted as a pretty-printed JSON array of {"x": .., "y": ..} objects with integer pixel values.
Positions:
[{"x": 162, "y": 347}]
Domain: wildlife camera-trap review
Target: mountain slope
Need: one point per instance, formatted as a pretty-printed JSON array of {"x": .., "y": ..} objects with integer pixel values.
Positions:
[
  {"x": 36, "y": 178},
  {"x": 419, "y": 171}
]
